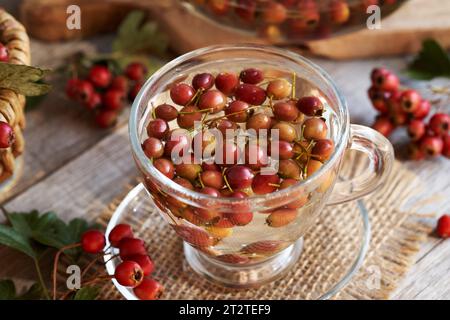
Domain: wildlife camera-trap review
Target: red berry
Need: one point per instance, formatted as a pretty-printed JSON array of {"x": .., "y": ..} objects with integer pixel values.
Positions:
[
  {"x": 379, "y": 99},
  {"x": 443, "y": 228},
  {"x": 311, "y": 106},
  {"x": 239, "y": 218},
  {"x": 251, "y": 94},
  {"x": 446, "y": 149},
  {"x": 129, "y": 274},
  {"x": 246, "y": 9},
  {"x": 281, "y": 217},
  {"x": 4, "y": 54},
  {"x": 134, "y": 91},
  {"x": 94, "y": 101},
  {"x": 274, "y": 13},
  {"x": 106, "y": 118},
  {"x": 431, "y": 146},
  {"x": 135, "y": 71},
  {"x": 239, "y": 177},
  {"x": 100, "y": 76},
  {"x": 93, "y": 241},
  {"x": 397, "y": 115},
  {"x": 144, "y": 262},
  {"x": 285, "y": 111},
  {"x": 265, "y": 183},
  {"x": 204, "y": 81},
  {"x": 131, "y": 246},
  {"x": 264, "y": 247},
  {"x": 120, "y": 232},
  {"x": 166, "y": 112},
  {"x": 385, "y": 80},
  {"x": 251, "y": 76},
  {"x": 7, "y": 136},
  {"x": 188, "y": 116},
  {"x": 339, "y": 11},
  {"x": 165, "y": 167},
  {"x": 181, "y": 93},
  {"x": 153, "y": 148},
  {"x": 214, "y": 100},
  {"x": 227, "y": 82},
  {"x": 219, "y": 7},
  {"x": 114, "y": 99},
  {"x": 72, "y": 88},
  {"x": 416, "y": 129},
  {"x": 212, "y": 179},
  {"x": 384, "y": 126},
  {"x": 423, "y": 110},
  {"x": 237, "y": 111},
  {"x": 195, "y": 236},
  {"x": 177, "y": 142},
  {"x": 120, "y": 83},
  {"x": 157, "y": 128},
  {"x": 415, "y": 152},
  {"x": 410, "y": 100},
  {"x": 323, "y": 149},
  {"x": 440, "y": 124},
  {"x": 255, "y": 156},
  {"x": 149, "y": 289},
  {"x": 84, "y": 90}
]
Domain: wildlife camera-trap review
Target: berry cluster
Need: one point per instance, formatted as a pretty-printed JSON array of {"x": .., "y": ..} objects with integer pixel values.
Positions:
[
  {"x": 4, "y": 53},
  {"x": 291, "y": 19},
  {"x": 134, "y": 270},
  {"x": 405, "y": 107},
  {"x": 105, "y": 93},
  {"x": 136, "y": 267},
  {"x": 248, "y": 106}
]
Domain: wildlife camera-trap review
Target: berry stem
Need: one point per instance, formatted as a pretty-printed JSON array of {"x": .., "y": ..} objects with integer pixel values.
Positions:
[
  {"x": 90, "y": 265},
  {"x": 41, "y": 279},
  {"x": 55, "y": 263}
]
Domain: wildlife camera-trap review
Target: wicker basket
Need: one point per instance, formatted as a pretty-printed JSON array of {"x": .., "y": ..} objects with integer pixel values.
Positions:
[{"x": 15, "y": 38}]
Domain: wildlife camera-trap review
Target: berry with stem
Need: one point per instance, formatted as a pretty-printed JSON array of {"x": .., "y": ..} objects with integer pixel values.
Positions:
[
  {"x": 7, "y": 136},
  {"x": 129, "y": 274},
  {"x": 120, "y": 232},
  {"x": 93, "y": 241},
  {"x": 129, "y": 247},
  {"x": 149, "y": 289}
]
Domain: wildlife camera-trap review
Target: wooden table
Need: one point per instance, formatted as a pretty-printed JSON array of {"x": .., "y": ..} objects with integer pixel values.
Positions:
[{"x": 75, "y": 169}]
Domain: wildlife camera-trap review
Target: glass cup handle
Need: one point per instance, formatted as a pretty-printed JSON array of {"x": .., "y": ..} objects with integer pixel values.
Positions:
[{"x": 381, "y": 157}]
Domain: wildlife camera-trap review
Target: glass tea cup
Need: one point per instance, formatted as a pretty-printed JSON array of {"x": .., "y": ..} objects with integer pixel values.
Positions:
[{"x": 252, "y": 250}]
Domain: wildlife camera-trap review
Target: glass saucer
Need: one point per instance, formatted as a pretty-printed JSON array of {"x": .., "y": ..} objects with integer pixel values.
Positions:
[{"x": 322, "y": 265}]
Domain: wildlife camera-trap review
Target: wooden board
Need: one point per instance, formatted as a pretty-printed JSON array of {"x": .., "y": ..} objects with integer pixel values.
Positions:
[{"x": 401, "y": 33}]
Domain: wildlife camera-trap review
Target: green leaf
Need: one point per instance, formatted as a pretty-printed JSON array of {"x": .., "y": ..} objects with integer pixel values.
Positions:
[
  {"x": 87, "y": 293},
  {"x": 7, "y": 290},
  {"x": 23, "y": 79},
  {"x": 13, "y": 239},
  {"x": 136, "y": 36},
  {"x": 432, "y": 61}
]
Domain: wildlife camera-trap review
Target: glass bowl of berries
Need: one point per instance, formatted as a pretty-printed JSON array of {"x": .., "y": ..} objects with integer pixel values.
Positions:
[
  {"x": 240, "y": 148},
  {"x": 292, "y": 21}
]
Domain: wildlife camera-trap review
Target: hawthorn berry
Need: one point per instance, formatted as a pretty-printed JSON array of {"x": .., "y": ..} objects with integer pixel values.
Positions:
[
  {"x": 114, "y": 99},
  {"x": 131, "y": 246},
  {"x": 72, "y": 88},
  {"x": 106, "y": 118},
  {"x": 149, "y": 289},
  {"x": 129, "y": 274},
  {"x": 134, "y": 91},
  {"x": 119, "y": 232},
  {"x": 440, "y": 124},
  {"x": 7, "y": 136},
  {"x": 84, "y": 90},
  {"x": 446, "y": 148},
  {"x": 227, "y": 82},
  {"x": 135, "y": 71},
  {"x": 144, "y": 262},
  {"x": 416, "y": 129},
  {"x": 93, "y": 241},
  {"x": 310, "y": 106},
  {"x": 410, "y": 100},
  {"x": 251, "y": 76},
  {"x": 100, "y": 76},
  {"x": 94, "y": 101},
  {"x": 120, "y": 83},
  {"x": 4, "y": 53},
  {"x": 181, "y": 93},
  {"x": 443, "y": 227},
  {"x": 431, "y": 146},
  {"x": 384, "y": 80},
  {"x": 203, "y": 81}
]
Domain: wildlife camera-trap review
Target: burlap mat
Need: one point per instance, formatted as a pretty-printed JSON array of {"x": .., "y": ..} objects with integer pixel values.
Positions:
[{"x": 331, "y": 247}]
